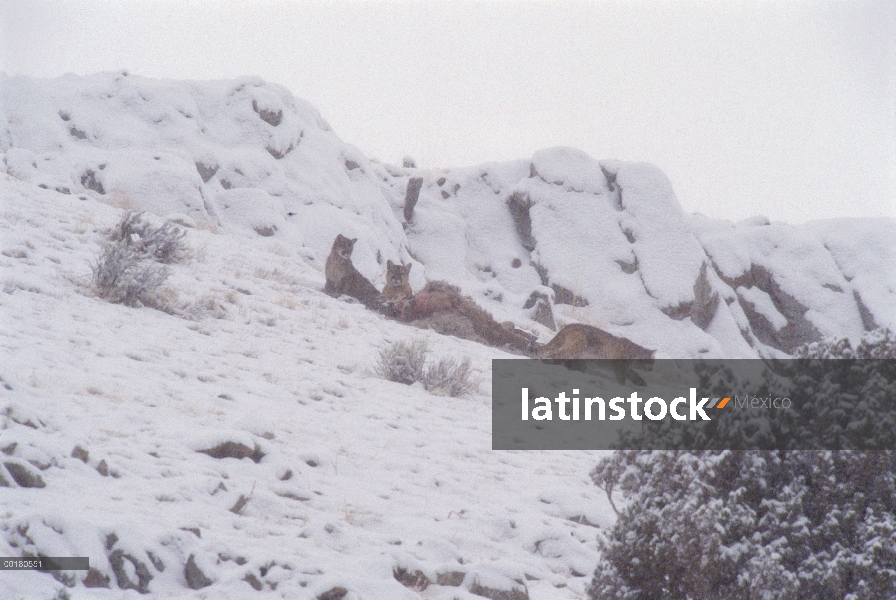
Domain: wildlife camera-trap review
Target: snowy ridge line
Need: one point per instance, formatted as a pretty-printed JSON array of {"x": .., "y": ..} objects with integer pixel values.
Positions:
[{"x": 556, "y": 239}]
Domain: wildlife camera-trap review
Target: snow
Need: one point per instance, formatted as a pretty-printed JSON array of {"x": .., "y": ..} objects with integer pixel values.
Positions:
[
  {"x": 763, "y": 304},
  {"x": 669, "y": 255},
  {"x": 864, "y": 250},
  {"x": 359, "y": 476},
  {"x": 569, "y": 168}
]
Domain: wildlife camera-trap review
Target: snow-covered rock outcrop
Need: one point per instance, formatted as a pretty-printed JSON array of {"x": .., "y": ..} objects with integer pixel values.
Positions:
[
  {"x": 610, "y": 245},
  {"x": 557, "y": 238},
  {"x": 243, "y": 155}
]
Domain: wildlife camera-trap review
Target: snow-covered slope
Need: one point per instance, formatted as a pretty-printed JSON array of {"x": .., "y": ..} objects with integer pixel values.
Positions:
[
  {"x": 352, "y": 480},
  {"x": 106, "y": 409},
  {"x": 604, "y": 242}
]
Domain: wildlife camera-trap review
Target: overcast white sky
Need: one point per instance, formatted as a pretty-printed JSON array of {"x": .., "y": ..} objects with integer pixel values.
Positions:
[{"x": 786, "y": 109}]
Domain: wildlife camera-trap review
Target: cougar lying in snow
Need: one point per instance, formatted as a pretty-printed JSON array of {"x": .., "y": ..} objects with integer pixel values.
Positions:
[
  {"x": 344, "y": 278},
  {"x": 398, "y": 286},
  {"x": 438, "y": 306},
  {"x": 441, "y": 307},
  {"x": 577, "y": 341}
]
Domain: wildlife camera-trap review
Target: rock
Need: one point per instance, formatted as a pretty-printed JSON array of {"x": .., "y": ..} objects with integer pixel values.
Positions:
[
  {"x": 611, "y": 178},
  {"x": 336, "y": 593},
  {"x": 565, "y": 296},
  {"x": 23, "y": 474},
  {"x": 868, "y": 322},
  {"x": 280, "y": 152},
  {"x": 252, "y": 580},
  {"x": 706, "y": 301},
  {"x": 156, "y": 562},
  {"x": 234, "y": 450},
  {"x": 271, "y": 116},
  {"x": 412, "y": 194},
  {"x": 452, "y": 578},
  {"x": 416, "y": 580},
  {"x": 628, "y": 267},
  {"x": 196, "y": 579},
  {"x": 239, "y": 505},
  {"x": 116, "y": 560},
  {"x": 89, "y": 181},
  {"x": 703, "y": 308},
  {"x": 80, "y": 453},
  {"x": 544, "y": 314},
  {"x": 796, "y": 332},
  {"x": 96, "y": 579},
  {"x": 519, "y": 204},
  {"x": 515, "y": 593},
  {"x": 206, "y": 171}
]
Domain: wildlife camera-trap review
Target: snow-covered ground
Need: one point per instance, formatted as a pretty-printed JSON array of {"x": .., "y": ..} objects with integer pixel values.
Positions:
[
  {"x": 360, "y": 476},
  {"x": 109, "y": 407}
]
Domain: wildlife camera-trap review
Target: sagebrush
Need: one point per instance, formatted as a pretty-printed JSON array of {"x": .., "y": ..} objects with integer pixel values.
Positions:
[
  {"x": 450, "y": 377},
  {"x": 405, "y": 362},
  {"x": 163, "y": 244},
  {"x": 131, "y": 267}
]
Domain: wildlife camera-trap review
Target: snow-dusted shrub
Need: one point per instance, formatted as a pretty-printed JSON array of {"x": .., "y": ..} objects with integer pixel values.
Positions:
[
  {"x": 206, "y": 306},
  {"x": 749, "y": 524},
  {"x": 877, "y": 344},
  {"x": 757, "y": 524},
  {"x": 405, "y": 362},
  {"x": 128, "y": 270},
  {"x": 123, "y": 275},
  {"x": 163, "y": 244},
  {"x": 843, "y": 404},
  {"x": 450, "y": 376}
]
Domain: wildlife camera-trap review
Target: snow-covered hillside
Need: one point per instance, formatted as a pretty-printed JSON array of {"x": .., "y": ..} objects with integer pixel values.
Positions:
[
  {"x": 106, "y": 409},
  {"x": 350, "y": 483}
]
